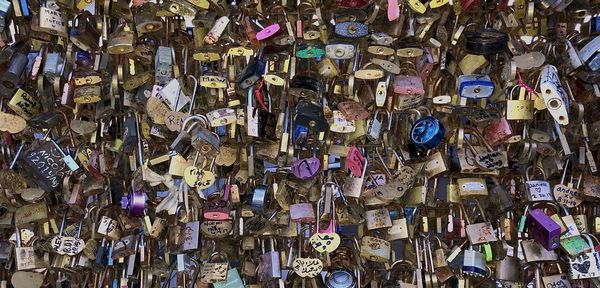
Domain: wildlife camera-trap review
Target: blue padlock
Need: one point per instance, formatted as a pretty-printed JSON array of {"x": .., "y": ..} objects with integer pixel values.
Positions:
[
  {"x": 427, "y": 132},
  {"x": 300, "y": 134}
]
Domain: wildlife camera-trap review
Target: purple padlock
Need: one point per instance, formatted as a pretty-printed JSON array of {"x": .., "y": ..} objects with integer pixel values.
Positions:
[
  {"x": 137, "y": 203},
  {"x": 543, "y": 229},
  {"x": 306, "y": 168}
]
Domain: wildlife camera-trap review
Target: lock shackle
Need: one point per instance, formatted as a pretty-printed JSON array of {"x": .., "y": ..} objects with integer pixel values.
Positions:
[
  {"x": 445, "y": 76},
  {"x": 589, "y": 238},
  {"x": 438, "y": 240},
  {"x": 187, "y": 120},
  {"x": 414, "y": 215},
  {"x": 217, "y": 254},
  {"x": 480, "y": 140},
  {"x": 194, "y": 91},
  {"x": 408, "y": 66},
  {"x": 564, "y": 173},
  {"x": 301, "y": 230},
  {"x": 398, "y": 156},
  {"x": 414, "y": 114},
  {"x": 63, "y": 221},
  {"x": 385, "y": 168},
  {"x": 532, "y": 169},
  {"x": 332, "y": 222},
  {"x": 424, "y": 110},
  {"x": 464, "y": 212},
  {"x": 400, "y": 263},
  {"x": 17, "y": 233},
  {"x": 416, "y": 247},
  {"x": 544, "y": 266},
  {"x": 546, "y": 204},
  {"x": 481, "y": 211},
  {"x": 429, "y": 254}
]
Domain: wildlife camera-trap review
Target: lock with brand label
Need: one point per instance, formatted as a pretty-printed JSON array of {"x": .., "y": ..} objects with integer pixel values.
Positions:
[{"x": 474, "y": 263}]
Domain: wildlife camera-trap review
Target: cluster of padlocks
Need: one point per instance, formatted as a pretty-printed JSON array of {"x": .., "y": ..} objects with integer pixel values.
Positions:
[{"x": 305, "y": 143}]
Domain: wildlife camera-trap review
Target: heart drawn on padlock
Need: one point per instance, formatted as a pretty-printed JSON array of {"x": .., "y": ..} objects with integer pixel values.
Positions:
[
  {"x": 325, "y": 242},
  {"x": 307, "y": 267},
  {"x": 199, "y": 178}
]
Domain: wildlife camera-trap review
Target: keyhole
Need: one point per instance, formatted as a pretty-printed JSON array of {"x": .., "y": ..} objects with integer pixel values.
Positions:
[{"x": 352, "y": 29}]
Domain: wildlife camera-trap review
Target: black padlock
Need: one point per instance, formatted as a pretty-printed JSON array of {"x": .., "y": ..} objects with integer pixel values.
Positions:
[
  {"x": 311, "y": 115},
  {"x": 45, "y": 165}
]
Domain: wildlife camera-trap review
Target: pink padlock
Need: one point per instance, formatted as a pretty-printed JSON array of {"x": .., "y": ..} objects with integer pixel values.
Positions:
[
  {"x": 355, "y": 162},
  {"x": 268, "y": 32},
  {"x": 216, "y": 209},
  {"x": 393, "y": 11},
  {"x": 331, "y": 226},
  {"x": 498, "y": 132},
  {"x": 408, "y": 85},
  {"x": 302, "y": 213}
]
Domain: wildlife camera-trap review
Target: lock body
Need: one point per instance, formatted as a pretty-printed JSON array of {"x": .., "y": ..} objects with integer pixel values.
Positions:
[{"x": 543, "y": 229}]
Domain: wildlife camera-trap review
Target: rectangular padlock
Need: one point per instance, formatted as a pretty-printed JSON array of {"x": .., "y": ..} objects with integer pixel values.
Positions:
[{"x": 543, "y": 229}]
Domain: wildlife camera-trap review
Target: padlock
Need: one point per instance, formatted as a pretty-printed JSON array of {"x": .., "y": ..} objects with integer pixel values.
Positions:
[
  {"x": 375, "y": 249},
  {"x": 537, "y": 190},
  {"x": 215, "y": 270},
  {"x": 25, "y": 257},
  {"x": 84, "y": 33},
  {"x": 13, "y": 75},
  {"x": 262, "y": 196},
  {"x": 399, "y": 229},
  {"x": 543, "y": 229},
  {"x": 269, "y": 267},
  {"x": 520, "y": 108},
  {"x": 427, "y": 132},
  {"x": 567, "y": 195},
  {"x": 46, "y": 164},
  {"x": 416, "y": 195},
  {"x": 475, "y": 86},
  {"x": 52, "y": 21},
  {"x": 302, "y": 212},
  {"x": 482, "y": 232},
  {"x": 587, "y": 260},
  {"x": 378, "y": 218},
  {"x": 410, "y": 89},
  {"x": 498, "y": 132},
  {"x": 306, "y": 168},
  {"x": 550, "y": 279},
  {"x": 146, "y": 19},
  {"x": 481, "y": 158},
  {"x": 474, "y": 263},
  {"x": 401, "y": 267},
  {"x": 163, "y": 66},
  {"x": 122, "y": 41},
  {"x": 507, "y": 269}
]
